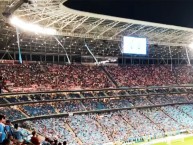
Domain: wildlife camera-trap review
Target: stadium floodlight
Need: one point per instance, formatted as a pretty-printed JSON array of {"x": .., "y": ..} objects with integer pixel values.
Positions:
[
  {"x": 191, "y": 45},
  {"x": 31, "y": 27}
]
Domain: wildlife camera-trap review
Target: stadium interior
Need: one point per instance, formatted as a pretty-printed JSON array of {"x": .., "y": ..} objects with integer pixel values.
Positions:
[{"x": 65, "y": 79}]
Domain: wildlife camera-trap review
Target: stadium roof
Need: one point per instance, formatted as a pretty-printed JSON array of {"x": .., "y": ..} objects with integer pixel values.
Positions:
[{"x": 72, "y": 23}]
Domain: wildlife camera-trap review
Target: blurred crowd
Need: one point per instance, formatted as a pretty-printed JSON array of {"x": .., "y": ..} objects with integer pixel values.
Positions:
[
  {"x": 53, "y": 77},
  {"x": 150, "y": 75},
  {"x": 13, "y": 134},
  {"x": 36, "y": 77},
  {"x": 126, "y": 125},
  {"x": 97, "y": 128},
  {"x": 67, "y": 106}
]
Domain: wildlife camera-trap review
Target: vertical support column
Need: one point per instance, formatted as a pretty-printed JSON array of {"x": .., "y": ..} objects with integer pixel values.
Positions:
[
  {"x": 170, "y": 57},
  {"x": 188, "y": 57}
]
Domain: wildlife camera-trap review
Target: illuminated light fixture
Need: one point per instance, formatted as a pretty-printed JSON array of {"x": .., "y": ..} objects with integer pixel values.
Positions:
[
  {"x": 31, "y": 27},
  {"x": 191, "y": 45}
]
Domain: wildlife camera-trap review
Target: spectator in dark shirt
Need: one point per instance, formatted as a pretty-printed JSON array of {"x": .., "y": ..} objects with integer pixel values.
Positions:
[
  {"x": 8, "y": 128},
  {"x": 6, "y": 142},
  {"x": 35, "y": 139}
]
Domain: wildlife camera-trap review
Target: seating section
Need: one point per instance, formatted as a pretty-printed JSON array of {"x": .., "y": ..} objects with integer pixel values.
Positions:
[
  {"x": 95, "y": 104},
  {"x": 186, "y": 109},
  {"x": 139, "y": 101},
  {"x": 150, "y": 75},
  {"x": 142, "y": 124},
  {"x": 182, "y": 118},
  {"x": 35, "y": 77},
  {"x": 11, "y": 114},
  {"x": 161, "y": 119},
  {"x": 87, "y": 129},
  {"x": 118, "y": 103},
  {"x": 127, "y": 125},
  {"x": 38, "y": 109},
  {"x": 98, "y": 104},
  {"x": 115, "y": 126},
  {"x": 2, "y": 101},
  {"x": 12, "y": 99},
  {"x": 54, "y": 128},
  {"x": 64, "y": 107},
  {"x": 158, "y": 99}
]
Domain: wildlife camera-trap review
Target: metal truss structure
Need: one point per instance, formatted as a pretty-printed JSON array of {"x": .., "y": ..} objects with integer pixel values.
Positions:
[{"x": 103, "y": 34}]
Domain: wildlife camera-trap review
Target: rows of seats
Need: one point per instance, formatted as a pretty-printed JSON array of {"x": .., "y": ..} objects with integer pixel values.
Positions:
[
  {"x": 101, "y": 104},
  {"x": 186, "y": 109},
  {"x": 126, "y": 125},
  {"x": 53, "y": 77},
  {"x": 64, "y": 107},
  {"x": 150, "y": 75},
  {"x": 161, "y": 119},
  {"x": 36, "y": 77},
  {"x": 3, "y": 101},
  {"x": 115, "y": 126},
  {"x": 86, "y": 128},
  {"x": 182, "y": 118},
  {"x": 11, "y": 113},
  {"x": 54, "y": 128},
  {"x": 38, "y": 109},
  {"x": 173, "y": 98}
]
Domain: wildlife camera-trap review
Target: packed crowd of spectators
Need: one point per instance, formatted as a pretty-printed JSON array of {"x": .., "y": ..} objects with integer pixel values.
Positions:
[
  {"x": 66, "y": 106},
  {"x": 179, "y": 116},
  {"x": 54, "y": 129},
  {"x": 161, "y": 119},
  {"x": 70, "y": 106},
  {"x": 38, "y": 109},
  {"x": 12, "y": 113},
  {"x": 169, "y": 99},
  {"x": 15, "y": 135},
  {"x": 125, "y": 125},
  {"x": 151, "y": 75},
  {"x": 36, "y": 77}
]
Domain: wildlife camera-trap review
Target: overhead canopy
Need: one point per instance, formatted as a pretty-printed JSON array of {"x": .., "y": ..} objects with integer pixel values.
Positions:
[
  {"x": 95, "y": 27},
  {"x": 54, "y": 13}
]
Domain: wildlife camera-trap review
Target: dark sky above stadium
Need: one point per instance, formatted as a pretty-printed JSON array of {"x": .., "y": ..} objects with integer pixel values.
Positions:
[{"x": 173, "y": 12}]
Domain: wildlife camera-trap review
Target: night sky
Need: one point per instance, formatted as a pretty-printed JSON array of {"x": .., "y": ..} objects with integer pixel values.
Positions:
[{"x": 173, "y": 12}]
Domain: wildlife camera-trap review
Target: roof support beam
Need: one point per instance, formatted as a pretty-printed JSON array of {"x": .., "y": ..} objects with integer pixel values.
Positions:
[
  {"x": 72, "y": 19},
  {"x": 137, "y": 30},
  {"x": 57, "y": 20},
  {"x": 149, "y": 31},
  {"x": 53, "y": 16},
  {"x": 83, "y": 20},
  {"x": 168, "y": 36},
  {"x": 109, "y": 28},
  {"x": 97, "y": 23},
  {"x": 181, "y": 35},
  {"x": 126, "y": 27}
]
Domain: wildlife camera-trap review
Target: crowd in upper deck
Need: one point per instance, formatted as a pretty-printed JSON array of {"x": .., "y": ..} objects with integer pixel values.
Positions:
[{"x": 36, "y": 77}]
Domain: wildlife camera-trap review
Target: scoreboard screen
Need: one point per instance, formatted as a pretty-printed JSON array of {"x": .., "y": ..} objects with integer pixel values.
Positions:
[{"x": 134, "y": 45}]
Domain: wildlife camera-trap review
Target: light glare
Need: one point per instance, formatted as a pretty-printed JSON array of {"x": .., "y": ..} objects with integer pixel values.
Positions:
[
  {"x": 31, "y": 27},
  {"x": 191, "y": 45}
]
